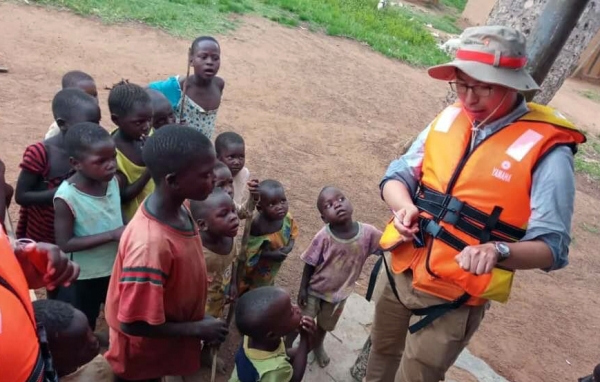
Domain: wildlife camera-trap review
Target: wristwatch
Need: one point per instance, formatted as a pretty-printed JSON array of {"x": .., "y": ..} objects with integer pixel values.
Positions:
[{"x": 502, "y": 251}]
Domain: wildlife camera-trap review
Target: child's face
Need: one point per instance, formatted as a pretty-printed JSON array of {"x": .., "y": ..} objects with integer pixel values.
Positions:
[
  {"x": 89, "y": 87},
  {"x": 334, "y": 207},
  {"x": 206, "y": 59},
  {"x": 88, "y": 113},
  {"x": 224, "y": 180},
  {"x": 234, "y": 156},
  {"x": 136, "y": 124},
  {"x": 99, "y": 162},
  {"x": 75, "y": 346},
  {"x": 289, "y": 315},
  {"x": 162, "y": 114},
  {"x": 222, "y": 219},
  {"x": 273, "y": 203},
  {"x": 196, "y": 181}
]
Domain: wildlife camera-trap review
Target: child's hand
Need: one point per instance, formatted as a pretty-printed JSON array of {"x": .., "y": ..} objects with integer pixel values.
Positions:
[
  {"x": 115, "y": 235},
  {"x": 302, "y": 298},
  {"x": 232, "y": 294},
  {"x": 308, "y": 330},
  {"x": 276, "y": 255},
  {"x": 253, "y": 188},
  {"x": 213, "y": 331},
  {"x": 308, "y": 325}
]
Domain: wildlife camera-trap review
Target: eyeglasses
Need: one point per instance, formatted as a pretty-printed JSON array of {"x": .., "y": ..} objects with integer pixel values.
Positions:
[{"x": 478, "y": 90}]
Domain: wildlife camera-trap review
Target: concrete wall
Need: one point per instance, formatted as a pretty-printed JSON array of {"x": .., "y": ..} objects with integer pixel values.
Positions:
[{"x": 477, "y": 11}]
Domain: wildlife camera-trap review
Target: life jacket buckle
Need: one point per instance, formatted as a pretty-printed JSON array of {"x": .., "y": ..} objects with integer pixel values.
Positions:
[{"x": 453, "y": 210}]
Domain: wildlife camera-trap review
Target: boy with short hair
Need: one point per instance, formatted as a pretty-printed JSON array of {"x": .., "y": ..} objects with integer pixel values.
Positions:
[
  {"x": 74, "y": 348},
  {"x": 264, "y": 316},
  {"x": 78, "y": 80},
  {"x": 272, "y": 236},
  {"x": 224, "y": 181},
  {"x": 231, "y": 150},
  {"x": 156, "y": 300},
  {"x": 334, "y": 261},
  {"x": 162, "y": 111}
]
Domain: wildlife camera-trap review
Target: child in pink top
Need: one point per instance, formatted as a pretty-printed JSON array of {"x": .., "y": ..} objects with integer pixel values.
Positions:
[{"x": 334, "y": 261}]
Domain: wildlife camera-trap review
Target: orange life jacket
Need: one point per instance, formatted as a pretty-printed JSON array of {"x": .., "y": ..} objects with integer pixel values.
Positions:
[
  {"x": 467, "y": 198},
  {"x": 20, "y": 357}
]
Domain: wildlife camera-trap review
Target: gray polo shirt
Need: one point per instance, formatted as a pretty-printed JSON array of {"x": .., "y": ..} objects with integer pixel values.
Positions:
[{"x": 552, "y": 190}]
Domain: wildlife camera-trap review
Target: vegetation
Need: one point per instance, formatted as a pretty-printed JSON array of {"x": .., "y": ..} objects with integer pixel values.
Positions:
[
  {"x": 390, "y": 31},
  {"x": 591, "y": 94},
  {"x": 459, "y": 5},
  {"x": 587, "y": 160}
]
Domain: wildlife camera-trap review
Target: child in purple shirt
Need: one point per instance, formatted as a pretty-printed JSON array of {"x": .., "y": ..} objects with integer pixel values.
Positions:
[{"x": 334, "y": 261}]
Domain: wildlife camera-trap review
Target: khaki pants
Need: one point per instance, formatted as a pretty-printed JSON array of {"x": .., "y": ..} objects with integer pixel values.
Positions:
[{"x": 425, "y": 356}]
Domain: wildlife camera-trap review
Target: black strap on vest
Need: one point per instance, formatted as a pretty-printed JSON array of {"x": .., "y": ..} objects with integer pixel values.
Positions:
[
  {"x": 475, "y": 223},
  {"x": 373, "y": 277},
  {"x": 430, "y": 313}
]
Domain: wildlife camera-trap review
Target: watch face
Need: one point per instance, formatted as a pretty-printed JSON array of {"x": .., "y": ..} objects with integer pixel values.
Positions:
[{"x": 503, "y": 249}]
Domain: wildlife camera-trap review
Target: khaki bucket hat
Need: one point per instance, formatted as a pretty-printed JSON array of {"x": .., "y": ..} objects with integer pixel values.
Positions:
[{"x": 491, "y": 54}]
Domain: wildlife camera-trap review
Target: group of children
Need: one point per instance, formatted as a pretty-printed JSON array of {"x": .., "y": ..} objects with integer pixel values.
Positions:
[{"x": 151, "y": 213}]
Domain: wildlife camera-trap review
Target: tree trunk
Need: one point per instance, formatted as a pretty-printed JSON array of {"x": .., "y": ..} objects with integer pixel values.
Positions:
[{"x": 523, "y": 14}]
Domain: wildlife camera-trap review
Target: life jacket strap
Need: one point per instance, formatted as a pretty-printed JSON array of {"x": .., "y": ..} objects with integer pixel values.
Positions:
[
  {"x": 449, "y": 209},
  {"x": 430, "y": 313},
  {"x": 438, "y": 232}
]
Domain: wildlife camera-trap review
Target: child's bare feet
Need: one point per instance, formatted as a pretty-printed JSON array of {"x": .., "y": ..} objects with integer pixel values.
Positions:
[{"x": 321, "y": 356}]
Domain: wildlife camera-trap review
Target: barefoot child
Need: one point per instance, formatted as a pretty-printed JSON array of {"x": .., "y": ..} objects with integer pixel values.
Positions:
[
  {"x": 264, "y": 316},
  {"x": 157, "y": 296},
  {"x": 224, "y": 181},
  {"x": 46, "y": 164},
  {"x": 131, "y": 110},
  {"x": 334, "y": 261},
  {"x": 162, "y": 111},
  {"x": 75, "y": 350},
  {"x": 231, "y": 150},
  {"x": 79, "y": 80},
  {"x": 198, "y": 96},
  {"x": 218, "y": 222},
  {"x": 88, "y": 221},
  {"x": 272, "y": 237}
]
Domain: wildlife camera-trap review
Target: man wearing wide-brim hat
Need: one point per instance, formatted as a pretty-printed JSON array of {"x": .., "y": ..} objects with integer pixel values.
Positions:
[{"x": 487, "y": 188}]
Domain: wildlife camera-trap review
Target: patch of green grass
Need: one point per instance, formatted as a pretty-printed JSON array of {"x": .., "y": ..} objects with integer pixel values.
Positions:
[
  {"x": 591, "y": 94},
  {"x": 184, "y": 18},
  {"x": 591, "y": 228},
  {"x": 457, "y": 4},
  {"x": 393, "y": 33},
  {"x": 445, "y": 23},
  {"x": 388, "y": 31},
  {"x": 587, "y": 160}
]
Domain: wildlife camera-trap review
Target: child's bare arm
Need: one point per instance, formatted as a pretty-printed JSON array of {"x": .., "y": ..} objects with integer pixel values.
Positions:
[
  {"x": 28, "y": 191},
  {"x": 65, "y": 237},
  {"x": 209, "y": 329},
  {"x": 130, "y": 190},
  {"x": 298, "y": 356},
  {"x": 288, "y": 248},
  {"x": 303, "y": 292}
]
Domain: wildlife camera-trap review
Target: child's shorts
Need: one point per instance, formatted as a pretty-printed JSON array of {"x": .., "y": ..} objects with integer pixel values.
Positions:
[{"x": 326, "y": 313}]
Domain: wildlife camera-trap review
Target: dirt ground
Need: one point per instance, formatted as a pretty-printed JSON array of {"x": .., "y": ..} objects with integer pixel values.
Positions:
[{"x": 314, "y": 110}]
